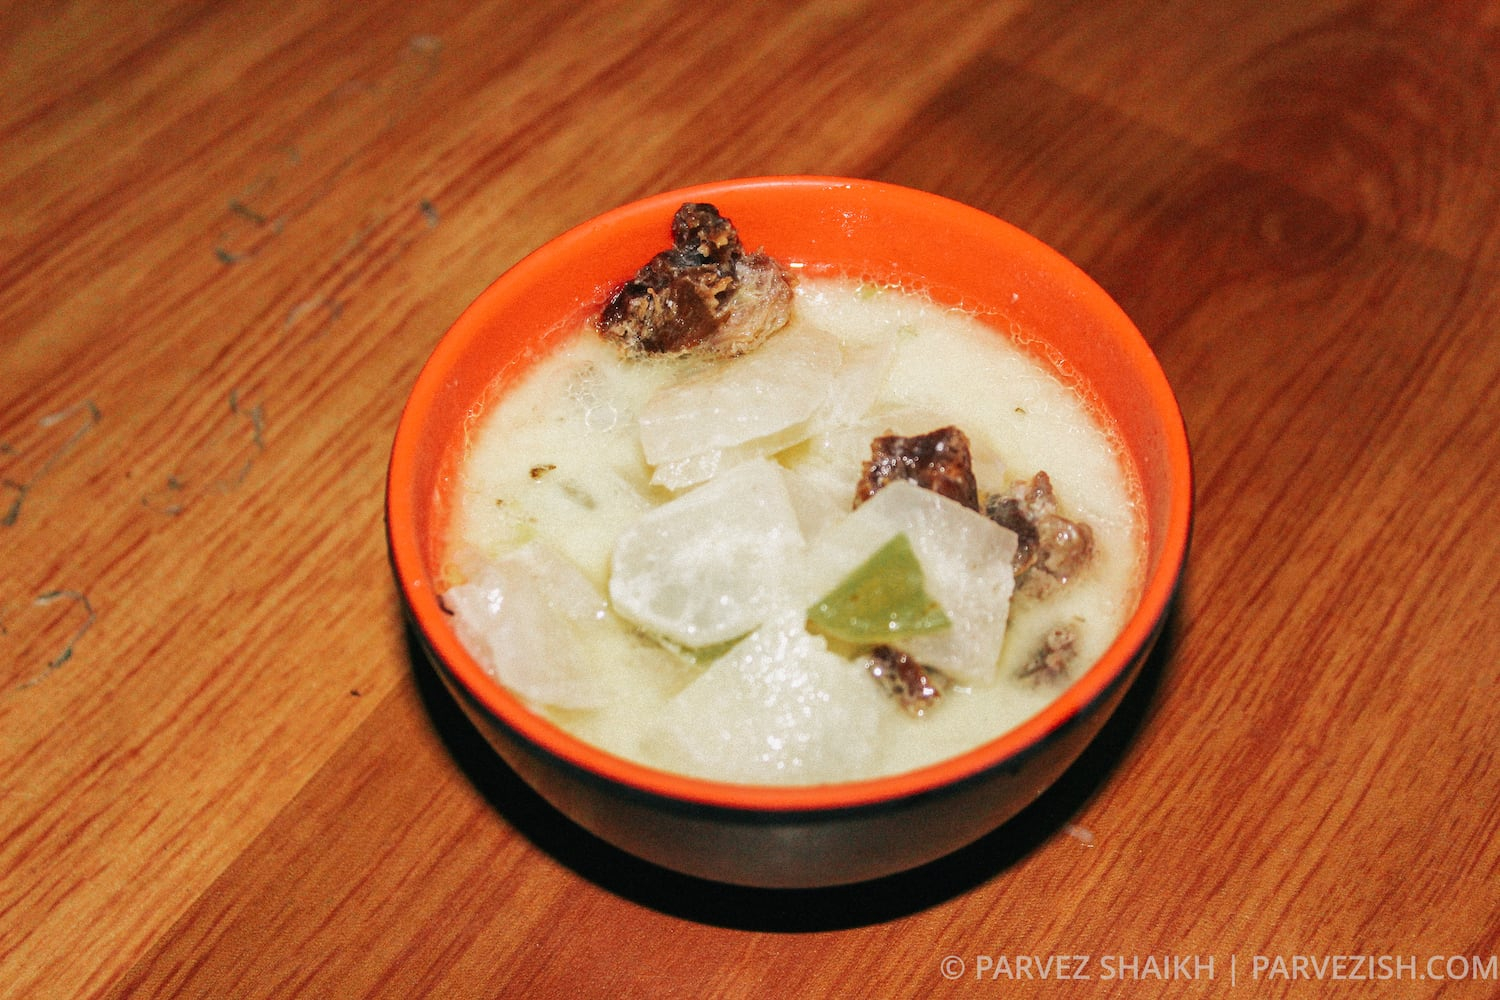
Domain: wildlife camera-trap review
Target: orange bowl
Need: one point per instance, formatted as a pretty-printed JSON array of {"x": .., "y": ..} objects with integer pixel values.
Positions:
[{"x": 812, "y": 835}]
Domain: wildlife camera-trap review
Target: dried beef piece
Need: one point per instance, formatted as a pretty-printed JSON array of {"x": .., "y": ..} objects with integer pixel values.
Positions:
[
  {"x": 1051, "y": 549},
  {"x": 1064, "y": 547},
  {"x": 938, "y": 461},
  {"x": 1008, "y": 513},
  {"x": 702, "y": 235},
  {"x": 705, "y": 293},
  {"x": 917, "y": 688},
  {"x": 1054, "y": 658}
]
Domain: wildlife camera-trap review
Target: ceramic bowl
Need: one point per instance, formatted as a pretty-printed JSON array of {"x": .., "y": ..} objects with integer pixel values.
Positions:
[{"x": 817, "y": 835}]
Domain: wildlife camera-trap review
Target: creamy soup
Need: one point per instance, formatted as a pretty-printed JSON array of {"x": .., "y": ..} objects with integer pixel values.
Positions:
[{"x": 660, "y": 554}]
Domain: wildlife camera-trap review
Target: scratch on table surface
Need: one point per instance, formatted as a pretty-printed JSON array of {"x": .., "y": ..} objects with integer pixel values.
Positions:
[
  {"x": 256, "y": 415},
  {"x": 180, "y": 487},
  {"x": 23, "y": 487},
  {"x": 42, "y": 600},
  {"x": 366, "y": 248},
  {"x": 243, "y": 210},
  {"x": 420, "y": 58},
  {"x": 341, "y": 128},
  {"x": 306, "y": 307},
  {"x": 240, "y": 208}
]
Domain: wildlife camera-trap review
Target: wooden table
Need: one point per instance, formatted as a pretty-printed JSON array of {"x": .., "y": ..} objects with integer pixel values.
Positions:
[{"x": 232, "y": 233}]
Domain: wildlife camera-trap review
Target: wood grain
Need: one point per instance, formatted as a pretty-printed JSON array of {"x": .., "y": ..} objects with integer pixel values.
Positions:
[{"x": 232, "y": 233}]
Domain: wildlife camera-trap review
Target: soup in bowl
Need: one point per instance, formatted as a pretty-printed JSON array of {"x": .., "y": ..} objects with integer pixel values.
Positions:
[{"x": 790, "y": 532}]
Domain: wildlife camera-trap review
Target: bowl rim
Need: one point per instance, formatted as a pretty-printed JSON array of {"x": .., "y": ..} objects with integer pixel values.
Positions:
[{"x": 1007, "y": 750}]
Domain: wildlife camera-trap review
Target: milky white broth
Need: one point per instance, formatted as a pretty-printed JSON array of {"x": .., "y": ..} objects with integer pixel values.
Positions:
[{"x": 558, "y": 459}]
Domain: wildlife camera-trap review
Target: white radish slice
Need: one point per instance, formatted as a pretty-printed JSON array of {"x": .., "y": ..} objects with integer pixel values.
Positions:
[
  {"x": 778, "y": 708},
  {"x": 712, "y": 564},
  {"x": 528, "y": 618},
  {"x": 752, "y": 405}
]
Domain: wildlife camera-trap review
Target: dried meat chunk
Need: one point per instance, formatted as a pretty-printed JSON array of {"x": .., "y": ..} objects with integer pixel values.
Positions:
[
  {"x": 706, "y": 293},
  {"x": 1052, "y": 661},
  {"x": 1008, "y": 513},
  {"x": 917, "y": 688},
  {"x": 1051, "y": 549},
  {"x": 938, "y": 461}
]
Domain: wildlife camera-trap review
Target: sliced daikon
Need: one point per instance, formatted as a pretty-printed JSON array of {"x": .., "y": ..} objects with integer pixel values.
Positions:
[
  {"x": 747, "y": 406},
  {"x": 778, "y": 708},
  {"x": 529, "y": 619},
  {"x": 704, "y": 465},
  {"x": 712, "y": 564},
  {"x": 854, "y": 386}
]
